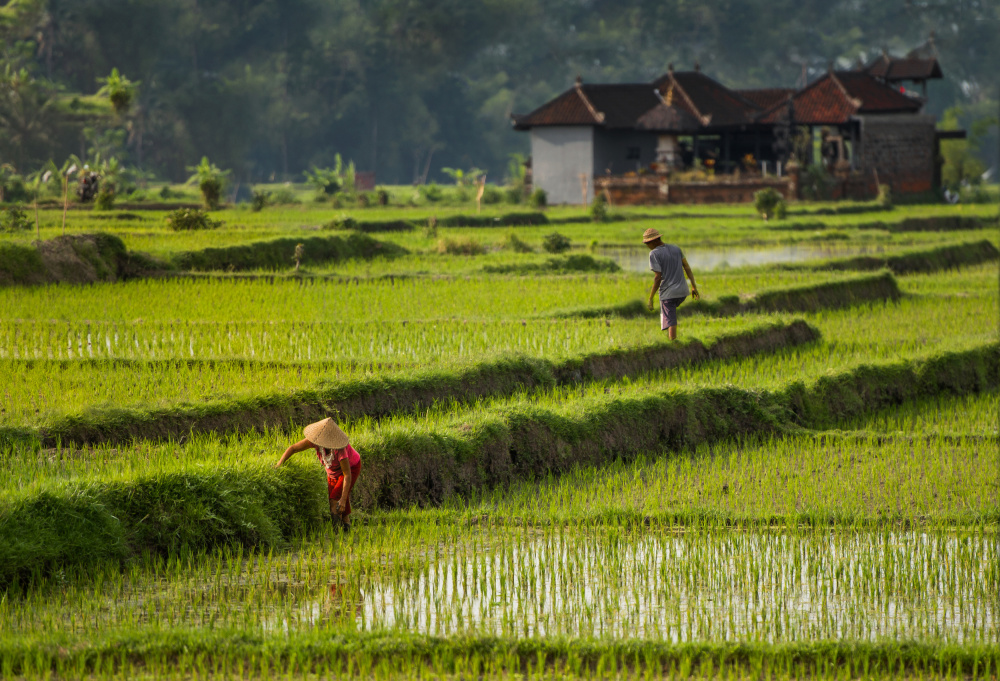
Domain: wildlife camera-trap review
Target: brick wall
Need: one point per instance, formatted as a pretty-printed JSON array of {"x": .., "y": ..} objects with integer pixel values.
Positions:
[
  {"x": 653, "y": 190},
  {"x": 900, "y": 148}
]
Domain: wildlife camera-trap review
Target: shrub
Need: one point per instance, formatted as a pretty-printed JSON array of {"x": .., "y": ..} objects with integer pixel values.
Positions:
[
  {"x": 382, "y": 196},
  {"x": 767, "y": 202},
  {"x": 599, "y": 208},
  {"x": 14, "y": 219},
  {"x": 463, "y": 246},
  {"x": 538, "y": 198},
  {"x": 364, "y": 200},
  {"x": 191, "y": 219},
  {"x": 167, "y": 193},
  {"x": 816, "y": 184},
  {"x": 492, "y": 194},
  {"x": 283, "y": 196},
  {"x": 583, "y": 263},
  {"x": 342, "y": 222},
  {"x": 513, "y": 195},
  {"x": 259, "y": 199},
  {"x": 431, "y": 229},
  {"x": 512, "y": 242},
  {"x": 14, "y": 189},
  {"x": 88, "y": 186},
  {"x": 105, "y": 197},
  {"x": 781, "y": 210},
  {"x": 884, "y": 198},
  {"x": 326, "y": 181},
  {"x": 556, "y": 243},
  {"x": 431, "y": 192}
]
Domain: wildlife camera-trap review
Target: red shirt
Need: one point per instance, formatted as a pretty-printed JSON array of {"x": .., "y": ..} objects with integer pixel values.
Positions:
[{"x": 331, "y": 458}]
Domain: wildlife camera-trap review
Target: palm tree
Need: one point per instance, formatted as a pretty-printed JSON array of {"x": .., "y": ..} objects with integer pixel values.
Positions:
[
  {"x": 120, "y": 90},
  {"x": 210, "y": 179}
]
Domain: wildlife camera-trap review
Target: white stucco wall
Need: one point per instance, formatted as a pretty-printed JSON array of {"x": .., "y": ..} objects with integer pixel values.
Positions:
[{"x": 558, "y": 156}]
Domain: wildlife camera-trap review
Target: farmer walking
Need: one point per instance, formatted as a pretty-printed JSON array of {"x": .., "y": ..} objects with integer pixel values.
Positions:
[
  {"x": 669, "y": 267},
  {"x": 339, "y": 458}
]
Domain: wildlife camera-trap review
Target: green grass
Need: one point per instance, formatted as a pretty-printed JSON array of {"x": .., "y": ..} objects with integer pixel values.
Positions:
[
  {"x": 825, "y": 511},
  {"x": 688, "y": 226}
]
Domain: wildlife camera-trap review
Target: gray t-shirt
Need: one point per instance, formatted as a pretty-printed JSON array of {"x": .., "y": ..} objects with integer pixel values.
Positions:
[{"x": 666, "y": 259}]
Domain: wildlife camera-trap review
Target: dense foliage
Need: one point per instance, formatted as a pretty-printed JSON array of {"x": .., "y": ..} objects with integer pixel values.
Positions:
[{"x": 270, "y": 89}]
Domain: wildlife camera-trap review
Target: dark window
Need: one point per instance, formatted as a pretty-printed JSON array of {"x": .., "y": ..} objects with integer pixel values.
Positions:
[{"x": 632, "y": 154}]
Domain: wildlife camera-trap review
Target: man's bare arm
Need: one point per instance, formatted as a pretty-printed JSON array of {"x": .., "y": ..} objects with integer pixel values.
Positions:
[
  {"x": 657, "y": 278},
  {"x": 690, "y": 275}
]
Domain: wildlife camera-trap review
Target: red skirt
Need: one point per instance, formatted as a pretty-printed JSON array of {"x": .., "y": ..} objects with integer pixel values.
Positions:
[{"x": 335, "y": 484}]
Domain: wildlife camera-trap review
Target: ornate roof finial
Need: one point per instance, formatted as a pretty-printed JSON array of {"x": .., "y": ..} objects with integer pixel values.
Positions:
[
  {"x": 670, "y": 67},
  {"x": 697, "y": 66},
  {"x": 579, "y": 79}
]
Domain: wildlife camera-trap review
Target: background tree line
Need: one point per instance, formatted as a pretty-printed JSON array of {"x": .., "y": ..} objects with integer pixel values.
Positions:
[{"x": 269, "y": 88}]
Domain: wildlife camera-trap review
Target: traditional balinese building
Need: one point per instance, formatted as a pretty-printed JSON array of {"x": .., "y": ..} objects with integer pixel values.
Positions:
[{"x": 867, "y": 128}]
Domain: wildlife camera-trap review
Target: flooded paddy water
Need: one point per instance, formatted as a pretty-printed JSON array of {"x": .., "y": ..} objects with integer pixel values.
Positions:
[
  {"x": 681, "y": 586},
  {"x": 717, "y": 258}
]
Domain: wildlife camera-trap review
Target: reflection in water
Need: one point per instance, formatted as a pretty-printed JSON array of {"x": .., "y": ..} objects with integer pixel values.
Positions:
[
  {"x": 694, "y": 585},
  {"x": 637, "y": 259},
  {"x": 742, "y": 587}
]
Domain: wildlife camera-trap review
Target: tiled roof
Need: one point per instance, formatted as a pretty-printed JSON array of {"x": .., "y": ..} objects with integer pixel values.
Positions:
[
  {"x": 687, "y": 101},
  {"x": 665, "y": 118},
  {"x": 895, "y": 69},
  {"x": 622, "y": 105},
  {"x": 707, "y": 99},
  {"x": 611, "y": 106},
  {"x": 569, "y": 108},
  {"x": 876, "y": 97},
  {"x": 765, "y": 98},
  {"x": 835, "y": 97}
]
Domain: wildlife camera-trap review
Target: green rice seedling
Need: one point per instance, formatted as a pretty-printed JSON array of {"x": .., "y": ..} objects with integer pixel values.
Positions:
[{"x": 702, "y": 585}]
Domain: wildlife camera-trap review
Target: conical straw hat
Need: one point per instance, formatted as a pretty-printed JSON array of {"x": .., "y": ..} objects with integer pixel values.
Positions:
[
  {"x": 650, "y": 235},
  {"x": 326, "y": 433}
]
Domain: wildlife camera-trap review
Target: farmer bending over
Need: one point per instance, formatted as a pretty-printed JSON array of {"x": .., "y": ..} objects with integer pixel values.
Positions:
[
  {"x": 341, "y": 461},
  {"x": 669, "y": 266}
]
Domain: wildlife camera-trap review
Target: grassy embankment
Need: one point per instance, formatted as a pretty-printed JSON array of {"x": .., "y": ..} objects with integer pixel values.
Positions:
[
  {"x": 375, "y": 397},
  {"x": 409, "y": 463},
  {"x": 591, "y": 590},
  {"x": 675, "y": 537}
]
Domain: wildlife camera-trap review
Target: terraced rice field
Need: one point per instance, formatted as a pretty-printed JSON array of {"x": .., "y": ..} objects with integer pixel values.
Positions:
[{"x": 548, "y": 491}]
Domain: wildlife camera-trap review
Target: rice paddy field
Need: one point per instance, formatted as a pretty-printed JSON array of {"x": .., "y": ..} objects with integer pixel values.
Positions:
[{"x": 550, "y": 488}]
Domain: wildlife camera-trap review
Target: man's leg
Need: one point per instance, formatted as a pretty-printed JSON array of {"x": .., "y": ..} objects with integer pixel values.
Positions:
[{"x": 668, "y": 317}]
